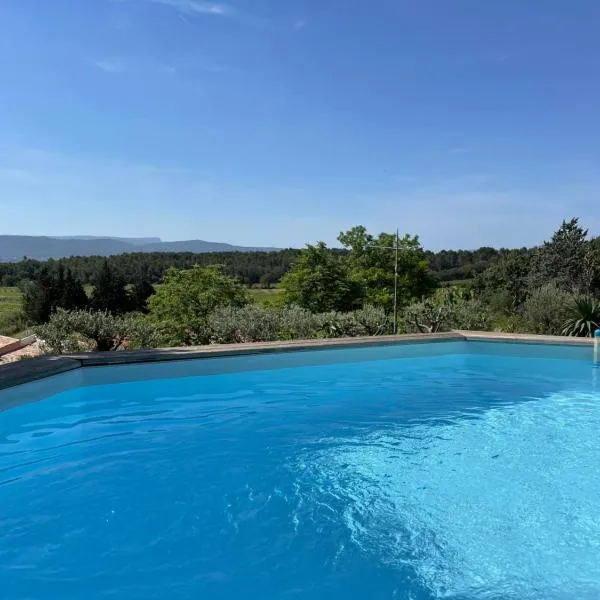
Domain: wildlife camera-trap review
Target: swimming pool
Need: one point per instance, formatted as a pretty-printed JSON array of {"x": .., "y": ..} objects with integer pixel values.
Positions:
[{"x": 447, "y": 470}]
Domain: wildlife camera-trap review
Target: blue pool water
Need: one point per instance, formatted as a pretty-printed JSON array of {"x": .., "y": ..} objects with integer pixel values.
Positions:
[{"x": 464, "y": 471}]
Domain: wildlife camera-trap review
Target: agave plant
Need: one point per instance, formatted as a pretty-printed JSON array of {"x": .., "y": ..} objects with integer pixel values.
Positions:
[{"x": 583, "y": 317}]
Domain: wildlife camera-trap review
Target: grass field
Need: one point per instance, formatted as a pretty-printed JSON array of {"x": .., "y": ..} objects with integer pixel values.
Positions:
[
  {"x": 10, "y": 308},
  {"x": 266, "y": 297}
]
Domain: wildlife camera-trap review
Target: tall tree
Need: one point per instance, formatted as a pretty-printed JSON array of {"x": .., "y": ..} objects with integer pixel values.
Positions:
[
  {"x": 110, "y": 293},
  {"x": 371, "y": 265},
  {"x": 320, "y": 282},
  {"x": 561, "y": 260},
  {"x": 72, "y": 294},
  {"x": 186, "y": 298},
  {"x": 141, "y": 290},
  {"x": 39, "y": 299}
]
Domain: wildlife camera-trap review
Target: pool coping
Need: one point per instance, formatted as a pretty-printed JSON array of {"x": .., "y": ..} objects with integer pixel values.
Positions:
[{"x": 18, "y": 373}]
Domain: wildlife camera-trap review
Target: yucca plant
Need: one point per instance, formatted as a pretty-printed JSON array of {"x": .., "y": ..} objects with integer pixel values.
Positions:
[{"x": 583, "y": 317}]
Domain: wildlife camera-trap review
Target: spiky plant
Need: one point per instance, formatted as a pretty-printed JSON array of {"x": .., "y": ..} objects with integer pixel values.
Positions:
[{"x": 583, "y": 317}]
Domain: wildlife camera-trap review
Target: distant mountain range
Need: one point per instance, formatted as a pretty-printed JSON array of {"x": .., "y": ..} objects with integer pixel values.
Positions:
[{"x": 15, "y": 247}]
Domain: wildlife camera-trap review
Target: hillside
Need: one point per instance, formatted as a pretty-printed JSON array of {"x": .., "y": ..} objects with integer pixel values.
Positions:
[{"x": 15, "y": 247}]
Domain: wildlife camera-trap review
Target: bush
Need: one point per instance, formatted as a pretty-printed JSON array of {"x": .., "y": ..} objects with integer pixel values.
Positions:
[
  {"x": 546, "y": 309},
  {"x": 512, "y": 324},
  {"x": 366, "y": 321},
  {"x": 251, "y": 323},
  {"x": 82, "y": 330},
  {"x": 446, "y": 311}
]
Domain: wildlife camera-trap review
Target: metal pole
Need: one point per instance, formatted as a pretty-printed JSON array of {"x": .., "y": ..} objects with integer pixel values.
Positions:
[{"x": 396, "y": 284}]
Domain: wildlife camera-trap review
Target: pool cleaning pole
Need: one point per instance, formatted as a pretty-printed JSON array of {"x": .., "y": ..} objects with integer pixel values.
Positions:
[{"x": 597, "y": 347}]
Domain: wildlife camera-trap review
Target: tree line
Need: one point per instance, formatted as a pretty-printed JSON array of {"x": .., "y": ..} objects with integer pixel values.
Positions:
[
  {"x": 552, "y": 289},
  {"x": 250, "y": 268}
]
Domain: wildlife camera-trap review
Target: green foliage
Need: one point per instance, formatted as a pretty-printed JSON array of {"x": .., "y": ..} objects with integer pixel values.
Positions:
[
  {"x": 12, "y": 323},
  {"x": 512, "y": 324},
  {"x": 561, "y": 261},
  {"x": 504, "y": 286},
  {"x": 250, "y": 268},
  {"x": 139, "y": 294},
  {"x": 53, "y": 290},
  {"x": 186, "y": 299},
  {"x": 546, "y": 309},
  {"x": 362, "y": 322},
  {"x": 12, "y": 320},
  {"x": 447, "y": 310},
  {"x": 371, "y": 265},
  {"x": 110, "y": 293},
  {"x": 319, "y": 281},
  {"x": 583, "y": 317},
  {"x": 81, "y": 330},
  {"x": 252, "y": 323}
]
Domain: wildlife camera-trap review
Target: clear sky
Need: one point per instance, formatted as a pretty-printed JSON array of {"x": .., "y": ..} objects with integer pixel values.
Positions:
[{"x": 276, "y": 122}]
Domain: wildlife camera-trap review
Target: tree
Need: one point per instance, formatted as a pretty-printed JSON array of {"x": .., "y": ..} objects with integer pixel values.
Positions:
[
  {"x": 52, "y": 290},
  {"x": 73, "y": 296},
  {"x": 371, "y": 265},
  {"x": 140, "y": 292},
  {"x": 109, "y": 292},
  {"x": 186, "y": 298},
  {"x": 504, "y": 286},
  {"x": 39, "y": 299},
  {"x": 561, "y": 260},
  {"x": 319, "y": 281}
]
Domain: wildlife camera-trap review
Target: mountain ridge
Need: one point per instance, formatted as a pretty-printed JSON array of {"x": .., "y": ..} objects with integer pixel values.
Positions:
[{"x": 16, "y": 247}]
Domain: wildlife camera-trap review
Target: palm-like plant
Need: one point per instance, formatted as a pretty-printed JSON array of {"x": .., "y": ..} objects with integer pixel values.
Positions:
[{"x": 583, "y": 317}]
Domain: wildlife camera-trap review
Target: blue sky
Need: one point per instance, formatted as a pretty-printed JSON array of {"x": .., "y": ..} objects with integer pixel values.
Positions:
[{"x": 276, "y": 122}]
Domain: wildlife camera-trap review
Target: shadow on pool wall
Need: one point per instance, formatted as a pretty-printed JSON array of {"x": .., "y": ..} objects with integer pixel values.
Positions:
[{"x": 33, "y": 380}]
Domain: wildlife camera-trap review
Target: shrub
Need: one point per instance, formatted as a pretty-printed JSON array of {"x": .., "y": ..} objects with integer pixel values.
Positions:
[
  {"x": 366, "y": 321},
  {"x": 512, "y": 324},
  {"x": 251, "y": 323},
  {"x": 446, "y": 312},
  {"x": 546, "y": 309},
  {"x": 583, "y": 317},
  {"x": 101, "y": 331}
]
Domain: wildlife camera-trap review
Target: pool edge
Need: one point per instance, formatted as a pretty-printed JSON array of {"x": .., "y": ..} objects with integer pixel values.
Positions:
[{"x": 18, "y": 373}]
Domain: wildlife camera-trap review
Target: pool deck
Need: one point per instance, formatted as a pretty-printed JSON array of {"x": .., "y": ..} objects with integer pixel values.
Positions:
[{"x": 31, "y": 370}]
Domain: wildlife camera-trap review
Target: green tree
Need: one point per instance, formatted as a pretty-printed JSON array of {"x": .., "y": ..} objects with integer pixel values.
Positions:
[
  {"x": 319, "y": 281},
  {"x": 371, "y": 265},
  {"x": 39, "y": 299},
  {"x": 504, "y": 285},
  {"x": 53, "y": 289},
  {"x": 73, "y": 296},
  {"x": 141, "y": 290},
  {"x": 186, "y": 298},
  {"x": 561, "y": 260},
  {"x": 110, "y": 293}
]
